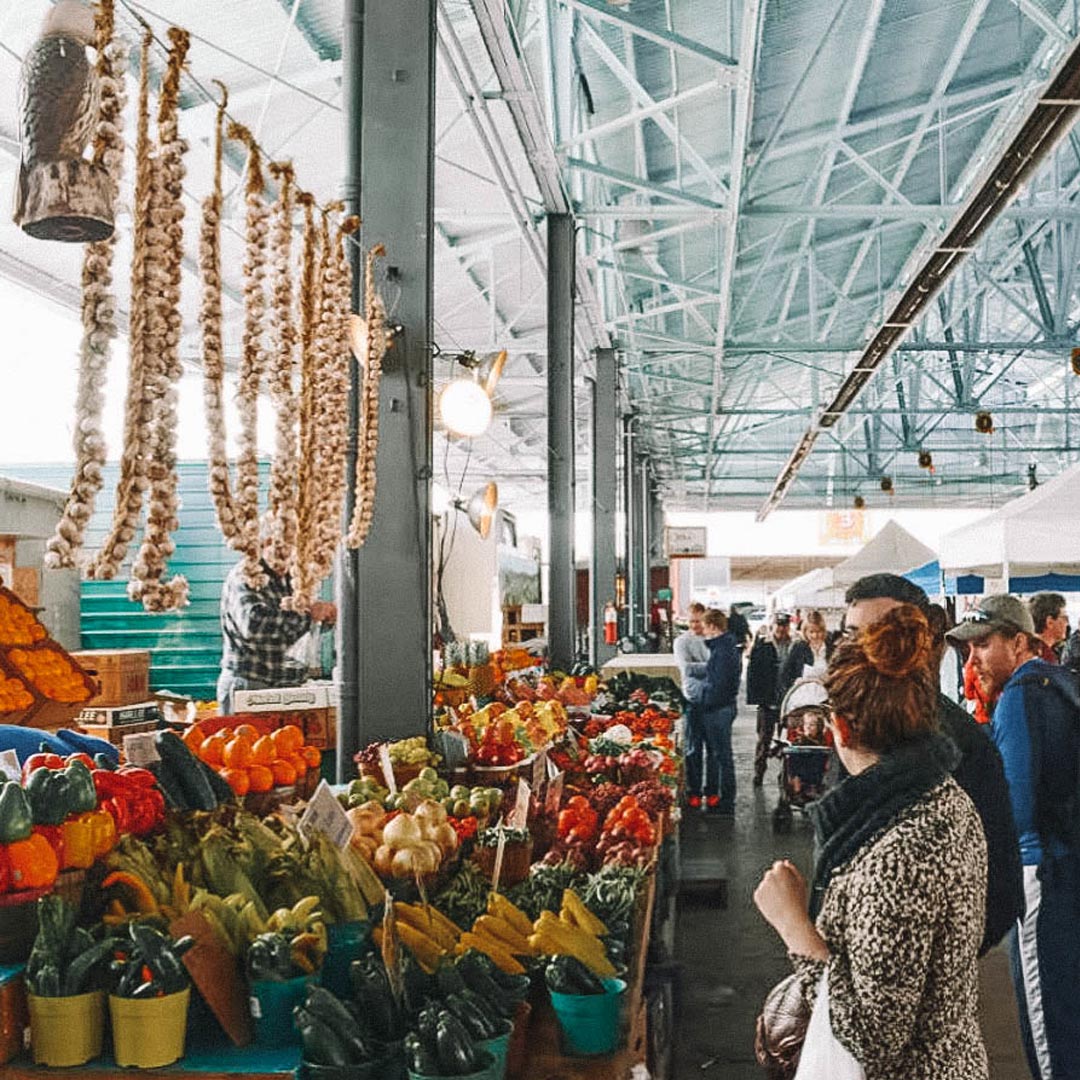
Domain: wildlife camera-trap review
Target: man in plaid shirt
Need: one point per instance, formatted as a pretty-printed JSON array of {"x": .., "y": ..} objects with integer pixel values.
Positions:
[{"x": 258, "y": 633}]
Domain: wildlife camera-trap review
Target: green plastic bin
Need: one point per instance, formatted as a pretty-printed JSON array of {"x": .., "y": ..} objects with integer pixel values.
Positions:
[{"x": 272, "y": 1005}]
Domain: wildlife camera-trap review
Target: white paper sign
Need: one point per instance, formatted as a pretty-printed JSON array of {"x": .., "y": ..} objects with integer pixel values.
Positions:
[
  {"x": 326, "y": 815},
  {"x": 140, "y": 749},
  {"x": 539, "y": 770},
  {"x": 9, "y": 765},
  {"x": 387, "y": 768},
  {"x": 500, "y": 851},
  {"x": 554, "y": 794},
  {"x": 519, "y": 816}
]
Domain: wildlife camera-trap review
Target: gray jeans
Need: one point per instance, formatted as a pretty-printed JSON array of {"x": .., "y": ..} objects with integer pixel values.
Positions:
[{"x": 228, "y": 683}]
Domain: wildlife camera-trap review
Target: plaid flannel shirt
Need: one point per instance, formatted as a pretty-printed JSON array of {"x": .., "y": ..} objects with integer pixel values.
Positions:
[{"x": 257, "y": 632}]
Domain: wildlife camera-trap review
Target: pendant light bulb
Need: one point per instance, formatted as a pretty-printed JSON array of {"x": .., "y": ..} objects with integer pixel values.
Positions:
[{"x": 465, "y": 408}]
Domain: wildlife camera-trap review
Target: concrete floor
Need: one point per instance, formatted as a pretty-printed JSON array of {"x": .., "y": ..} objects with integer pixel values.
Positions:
[{"x": 729, "y": 957}]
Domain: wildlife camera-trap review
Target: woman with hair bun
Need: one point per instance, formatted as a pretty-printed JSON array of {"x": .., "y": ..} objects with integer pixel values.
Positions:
[{"x": 894, "y": 916}]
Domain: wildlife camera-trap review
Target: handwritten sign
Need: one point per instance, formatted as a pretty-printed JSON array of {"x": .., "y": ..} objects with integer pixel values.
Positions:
[
  {"x": 140, "y": 749},
  {"x": 387, "y": 768},
  {"x": 539, "y": 770},
  {"x": 500, "y": 851},
  {"x": 554, "y": 794},
  {"x": 519, "y": 816},
  {"x": 9, "y": 765},
  {"x": 325, "y": 814}
]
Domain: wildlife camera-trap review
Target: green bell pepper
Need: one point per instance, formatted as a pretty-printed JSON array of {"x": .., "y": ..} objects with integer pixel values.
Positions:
[
  {"x": 47, "y": 790},
  {"x": 16, "y": 818}
]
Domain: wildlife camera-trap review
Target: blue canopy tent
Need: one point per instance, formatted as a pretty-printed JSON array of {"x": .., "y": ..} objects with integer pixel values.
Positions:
[{"x": 929, "y": 578}]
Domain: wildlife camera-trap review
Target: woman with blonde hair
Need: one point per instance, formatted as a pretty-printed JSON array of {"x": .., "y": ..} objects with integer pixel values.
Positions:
[
  {"x": 897, "y": 902},
  {"x": 809, "y": 655}
]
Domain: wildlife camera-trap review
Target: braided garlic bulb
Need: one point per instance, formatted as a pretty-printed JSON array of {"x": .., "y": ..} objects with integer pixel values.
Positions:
[
  {"x": 166, "y": 249},
  {"x": 377, "y": 340},
  {"x": 281, "y": 348},
  {"x": 138, "y": 409},
  {"x": 98, "y": 306},
  {"x": 210, "y": 322},
  {"x": 252, "y": 363}
]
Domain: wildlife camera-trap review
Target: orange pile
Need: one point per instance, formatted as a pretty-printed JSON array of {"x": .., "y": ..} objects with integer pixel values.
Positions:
[
  {"x": 52, "y": 671},
  {"x": 17, "y": 623},
  {"x": 252, "y": 762}
]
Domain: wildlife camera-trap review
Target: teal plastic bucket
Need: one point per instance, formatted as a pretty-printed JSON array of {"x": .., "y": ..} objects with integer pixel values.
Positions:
[
  {"x": 590, "y": 1022},
  {"x": 497, "y": 1047},
  {"x": 272, "y": 1005},
  {"x": 486, "y": 1073},
  {"x": 344, "y": 943},
  {"x": 389, "y": 1066}
]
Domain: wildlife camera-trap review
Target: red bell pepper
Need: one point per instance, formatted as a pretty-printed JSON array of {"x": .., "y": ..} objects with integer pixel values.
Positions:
[
  {"x": 142, "y": 778},
  {"x": 43, "y": 760},
  {"x": 85, "y": 759},
  {"x": 5, "y": 871}
]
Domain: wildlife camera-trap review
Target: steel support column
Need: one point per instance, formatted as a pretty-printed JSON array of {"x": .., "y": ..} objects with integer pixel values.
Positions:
[
  {"x": 644, "y": 485},
  {"x": 394, "y": 566},
  {"x": 604, "y": 499},
  {"x": 630, "y": 533},
  {"x": 636, "y": 556},
  {"x": 562, "y": 592},
  {"x": 345, "y": 578}
]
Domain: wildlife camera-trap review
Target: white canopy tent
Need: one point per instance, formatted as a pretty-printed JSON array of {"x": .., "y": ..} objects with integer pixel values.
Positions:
[
  {"x": 814, "y": 589},
  {"x": 1031, "y": 536},
  {"x": 893, "y": 551}
]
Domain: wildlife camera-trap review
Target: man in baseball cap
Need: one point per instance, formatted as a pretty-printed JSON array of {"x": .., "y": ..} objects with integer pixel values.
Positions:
[{"x": 1036, "y": 725}]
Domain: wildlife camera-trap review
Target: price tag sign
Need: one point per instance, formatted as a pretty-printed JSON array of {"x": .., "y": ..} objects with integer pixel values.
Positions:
[
  {"x": 9, "y": 765},
  {"x": 454, "y": 748},
  {"x": 539, "y": 770},
  {"x": 325, "y": 814},
  {"x": 554, "y": 794},
  {"x": 387, "y": 768},
  {"x": 140, "y": 749},
  {"x": 519, "y": 816},
  {"x": 500, "y": 851}
]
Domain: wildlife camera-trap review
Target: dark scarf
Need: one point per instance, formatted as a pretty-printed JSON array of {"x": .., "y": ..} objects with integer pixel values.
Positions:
[{"x": 859, "y": 809}]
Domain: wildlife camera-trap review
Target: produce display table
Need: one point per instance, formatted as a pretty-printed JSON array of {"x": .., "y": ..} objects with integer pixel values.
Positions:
[{"x": 655, "y": 665}]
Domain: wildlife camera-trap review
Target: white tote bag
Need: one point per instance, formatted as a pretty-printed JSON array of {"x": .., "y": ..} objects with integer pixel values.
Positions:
[{"x": 823, "y": 1058}]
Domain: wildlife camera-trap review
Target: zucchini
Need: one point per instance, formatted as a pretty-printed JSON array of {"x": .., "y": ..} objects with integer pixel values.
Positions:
[
  {"x": 170, "y": 786},
  {"x": 183, "y": 764},
  {"x": 218, "y": 785},
  {"x": 80, "y": 968}
]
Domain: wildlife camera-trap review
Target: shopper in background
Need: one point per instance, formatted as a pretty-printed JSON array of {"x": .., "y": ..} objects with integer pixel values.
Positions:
[
  {"x": 1036, "y": 725},
  {"x": 979, "y": 770},
  {"x": 767, "y": 659},
  {"x": 809, "y": 655},
  {"x": 719, "y": 704},
  {"x": 258, "y": 633},
  {"x": 692, "y": 656},
  {"x": 1070, "y": 654},
  {"x": 738, "y": 628},
  {"x": 896, "y": 914},
  {"x": 1051, "y": 624}
]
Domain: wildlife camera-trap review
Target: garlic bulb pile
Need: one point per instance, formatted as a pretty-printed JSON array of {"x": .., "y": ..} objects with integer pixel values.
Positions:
[
  {"x": 375, "y": 352},
  {"x": 138, "y": 408},
  {"x": 252, "y": 363},
  {"x": 281, "y": 350},
  {"x": 163, "y": 368},
  {"x": 210, "y": 323},
  {"x": 98, "y": 306}
]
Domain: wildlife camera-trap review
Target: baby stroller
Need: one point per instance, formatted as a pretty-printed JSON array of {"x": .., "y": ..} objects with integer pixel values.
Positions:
[{"x": 804, "y": 748}]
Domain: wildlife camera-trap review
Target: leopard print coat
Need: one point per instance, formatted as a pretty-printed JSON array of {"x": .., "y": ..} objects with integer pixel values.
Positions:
[{"x": 903, "y": 921}]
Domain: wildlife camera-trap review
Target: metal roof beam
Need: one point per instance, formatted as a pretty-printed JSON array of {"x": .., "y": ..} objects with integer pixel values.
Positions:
[
  {"x": 929, "y": 213},
  {"x": 644, "y": 112},
  {"x": 742, "y": 122},
  {"x": 604, "y": 12},
  {"x": 1042, "y": 19},
  {"x": 637, "y": 184}
]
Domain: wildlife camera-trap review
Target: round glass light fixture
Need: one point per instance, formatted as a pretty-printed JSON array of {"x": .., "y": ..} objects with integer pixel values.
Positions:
[{"x": 465, "y": 408}]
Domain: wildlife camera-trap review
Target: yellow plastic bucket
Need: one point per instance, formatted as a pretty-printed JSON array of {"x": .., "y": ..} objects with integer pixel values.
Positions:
[
  {"x": 149, "y": 1033},
  {"x": 67, "y": 1031}
]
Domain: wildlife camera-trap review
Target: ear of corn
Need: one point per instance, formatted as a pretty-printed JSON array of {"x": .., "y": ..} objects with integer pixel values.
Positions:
[
  {"x": 483, "y": 943},
  {"x": 503, "y": 909},
  {"x": 575, "y": 911}
]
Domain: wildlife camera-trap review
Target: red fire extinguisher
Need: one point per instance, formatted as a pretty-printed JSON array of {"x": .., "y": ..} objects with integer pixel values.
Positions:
[{"x": 611, "y": 624}]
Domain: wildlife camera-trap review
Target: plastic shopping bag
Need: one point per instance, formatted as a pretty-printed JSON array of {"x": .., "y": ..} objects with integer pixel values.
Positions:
[{"x": 823, "y": 1058}]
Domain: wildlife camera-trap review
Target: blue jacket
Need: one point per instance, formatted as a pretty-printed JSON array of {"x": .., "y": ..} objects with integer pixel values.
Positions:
[
  {"x": 722, "y": 673},
  {"x": 1036, "y": 728}
]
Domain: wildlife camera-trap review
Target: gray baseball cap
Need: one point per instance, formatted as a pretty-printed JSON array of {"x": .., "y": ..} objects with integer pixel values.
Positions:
[{"x": 994, "y": 613}]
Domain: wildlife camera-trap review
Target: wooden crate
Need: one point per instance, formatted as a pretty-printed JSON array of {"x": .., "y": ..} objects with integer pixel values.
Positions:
[
  {"x": 115, "y": 735},
  {"x": 123, "y": 675}
]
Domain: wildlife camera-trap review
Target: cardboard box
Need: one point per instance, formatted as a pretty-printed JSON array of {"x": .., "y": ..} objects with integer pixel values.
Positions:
[
  {"x": 122, "y": 674},
  {"x": 122, "y": 716},
  {"x": 318, "y": 725},
  {"x": 115, "y": 735}
]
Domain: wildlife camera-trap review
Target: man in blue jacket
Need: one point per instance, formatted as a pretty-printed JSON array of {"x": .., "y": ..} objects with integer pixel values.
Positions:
[
  {"x": 718, "y": 705},
  {"x": 1036, "y": 726}
]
